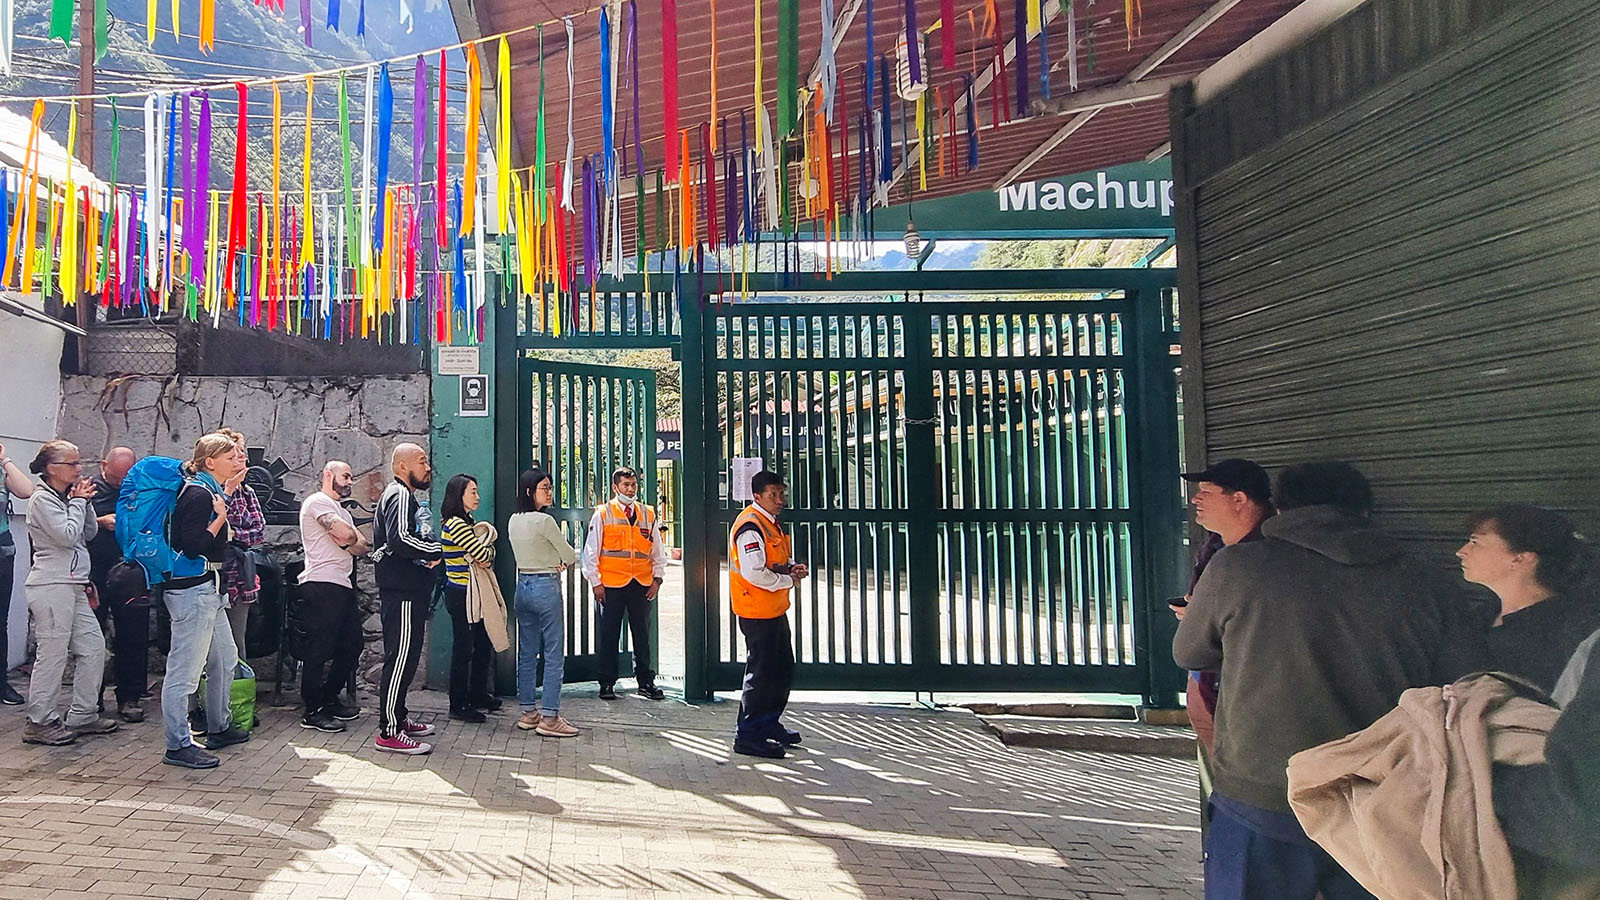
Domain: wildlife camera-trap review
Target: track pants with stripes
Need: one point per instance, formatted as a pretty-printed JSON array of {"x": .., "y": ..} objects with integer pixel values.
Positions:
[{"x": 404, "y": 614}]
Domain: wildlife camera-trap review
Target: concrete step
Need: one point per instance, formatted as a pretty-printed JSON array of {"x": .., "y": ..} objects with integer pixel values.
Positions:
[{"x": 1092, "y": 735}]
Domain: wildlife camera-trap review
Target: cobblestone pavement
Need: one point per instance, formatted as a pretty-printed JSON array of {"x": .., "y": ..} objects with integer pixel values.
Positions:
[{"x": 647, "y": 803}]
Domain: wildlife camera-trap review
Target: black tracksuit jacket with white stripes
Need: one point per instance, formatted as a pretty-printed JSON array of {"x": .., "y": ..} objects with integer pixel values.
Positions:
[{"x": 402, "y": 550}]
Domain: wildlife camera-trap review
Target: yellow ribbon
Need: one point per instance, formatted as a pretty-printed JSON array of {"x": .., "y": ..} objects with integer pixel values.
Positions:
[
  {"x": 469, "y": 160},
  {"x": 503, "y": 138},
  {"x": 713, "y": 75},
  {"x": 213, "y": 298},
  {"x": 922, "y": 140},
  {"x": 305, "y": 174},
  {"x": 25, "y": 226},
  {"x": 760, "y": 132},
  {"x": 69, "y": 219},
  {"x": 177, "y": 13},
  {"x": 150, "y": 22},
  {"x": 1035, "y": 19}
]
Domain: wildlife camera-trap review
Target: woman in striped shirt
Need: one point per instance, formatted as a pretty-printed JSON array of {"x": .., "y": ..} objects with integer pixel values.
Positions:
[{"x": 471, "y": 655}]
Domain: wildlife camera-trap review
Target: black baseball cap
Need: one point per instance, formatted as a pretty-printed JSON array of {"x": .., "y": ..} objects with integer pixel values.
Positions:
[{"x": 1237, "y": 475}]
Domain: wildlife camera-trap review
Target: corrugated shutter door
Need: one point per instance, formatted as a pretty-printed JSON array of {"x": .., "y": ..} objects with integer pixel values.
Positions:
[{"x": 1412, "y": 282}]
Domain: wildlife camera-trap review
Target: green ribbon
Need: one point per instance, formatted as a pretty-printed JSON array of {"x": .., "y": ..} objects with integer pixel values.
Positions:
[
  {"x": 61, "y": 20},
  {"x": 788, "y": 64},
  {"x": 102, "y": 33},
  {"x": 352, "y": 233},
  {"x": 539, "y": 183},
  {"x": 47, "y": 283}
]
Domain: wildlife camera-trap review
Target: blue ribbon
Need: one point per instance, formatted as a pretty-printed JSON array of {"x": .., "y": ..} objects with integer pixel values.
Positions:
[
  {"x": 606, "y": 112},
  {"x": 333, "y": 15},
  {"x": 887, "y": 171},
  {"x": 385, "y": 123},
  {"x": 458, "y": 289}
]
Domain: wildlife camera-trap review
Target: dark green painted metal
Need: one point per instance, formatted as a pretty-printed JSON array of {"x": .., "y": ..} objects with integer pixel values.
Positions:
[
  {"x": 974, "y": 511},
  {"x": 580, "y": 422}
]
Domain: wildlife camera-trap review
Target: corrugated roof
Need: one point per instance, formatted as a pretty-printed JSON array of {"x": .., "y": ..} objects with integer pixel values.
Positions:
[{"x": 1116, "y": 135}]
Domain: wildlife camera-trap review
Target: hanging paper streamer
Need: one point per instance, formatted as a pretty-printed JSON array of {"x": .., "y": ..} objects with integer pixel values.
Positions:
[
  {"x": 333, "y": 14},
  {"x": 541, "y": 155},
  {"x": 202, "y": 167},
  {"x": 102, "y": 31},
  {"x": 385, "y": 133},
  {"x": 407, "y": 18},
  {"x": 829, "y": 68},
  {"x": 669, "y": 82},
  {"x": 633, "y": 79},
  {"x": 913, "y": 43},
  {"x": 1020, "y": 35},
  {"x": 607, "y": 101},
  {"x": 1044, "y": 63},
  {"x": 1072, "y": 45},
  {"x": 61, "y": 20},
  {"x": 361, "y": 19},
  {"x": 441, "y": 144},
  {"x": 69, "y": 222},
  {"x": 1034, "y": 19},
  {"x": 347, "y": 221},
  {"x": 788, "y": 65},
  {"x": 947, "y": 34},
  {"x": 714, "y": 67},
  {"x": 305, "y": 179},
  {"x": 503, "y": 138},
  {"x": 208, "y": 25},
  {"x": 868, "y": 103},
  {"x": 8, "y": 33},
  {"x": 566, "y": 166},
  {"x": 419, "y": 127},
  {"x": 760, "y": 89},
  {"x": 236, "y": 203},
  {"x": 365, "y": 235}
]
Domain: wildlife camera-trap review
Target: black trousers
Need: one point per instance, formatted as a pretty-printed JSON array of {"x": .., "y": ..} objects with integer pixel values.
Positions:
[
  {"x": 471, "y": 654},
  {"x": 627, "y": 601},
  {"x": 768, "y": 675},
  {"x": 329, "y": 625},
  {"x": 130, "y": 646},
  {"x": 405, "y": 616},
  {"x": 7, "y": 573}
]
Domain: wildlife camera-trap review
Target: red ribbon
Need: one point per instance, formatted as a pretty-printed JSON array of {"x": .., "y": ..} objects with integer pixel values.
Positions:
[
  {"x": 669, "y": 78},
  {"x": 947, "y": 32},
  {"x": 237, "y": 210}
]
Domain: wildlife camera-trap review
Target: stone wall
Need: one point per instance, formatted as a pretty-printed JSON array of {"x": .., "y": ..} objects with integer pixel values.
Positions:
[{"x": 302, "y": 421}]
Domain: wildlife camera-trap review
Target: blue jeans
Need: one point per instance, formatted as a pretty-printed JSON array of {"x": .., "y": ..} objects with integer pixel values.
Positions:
[
  {"x": 201, "y": 639},
  {"x": 539, "y": 629},
  {"x": 1262, "y": 854}
]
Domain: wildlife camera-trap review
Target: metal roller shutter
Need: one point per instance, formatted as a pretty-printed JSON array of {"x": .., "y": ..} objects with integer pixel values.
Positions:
[{"x": 1390, "y": 240}]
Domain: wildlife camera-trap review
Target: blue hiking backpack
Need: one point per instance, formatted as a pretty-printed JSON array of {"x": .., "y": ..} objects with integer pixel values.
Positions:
[{"x": 144, "y": 520}]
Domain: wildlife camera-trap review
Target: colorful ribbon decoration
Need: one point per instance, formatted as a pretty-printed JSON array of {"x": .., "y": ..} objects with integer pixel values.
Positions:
[
  {"x": 913, "y": 42},
  {"x": 566, "y": 166},
  {"x": 829, "y": 67},
  {"x": 947, "y": 33},
  {"x": 385, "y": 132},
  {"x": 236, "y": 201},
  {"x": 1020, "y": 35},
  {"x": 669, "y": 81},
  {"x": 503, "y": 138},
  {"x": 788, "y": 65},
  {"x": 760, "y": 87},
  {"x": 441, "y": 144},
  {"x": 365, "y": 235}
]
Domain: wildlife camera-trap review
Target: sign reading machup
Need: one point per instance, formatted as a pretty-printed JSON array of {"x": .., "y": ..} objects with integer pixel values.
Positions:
[{"x": 1133, "y": 200}]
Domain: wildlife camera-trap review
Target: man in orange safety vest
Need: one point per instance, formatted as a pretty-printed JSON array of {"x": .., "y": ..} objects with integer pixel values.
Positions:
[
  {"x": 761, "y": 572},
  {"x": 622, "y": 560}
]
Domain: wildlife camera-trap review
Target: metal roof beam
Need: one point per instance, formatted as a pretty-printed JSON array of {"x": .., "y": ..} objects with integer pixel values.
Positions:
[{"x": 1145, "y": 67}]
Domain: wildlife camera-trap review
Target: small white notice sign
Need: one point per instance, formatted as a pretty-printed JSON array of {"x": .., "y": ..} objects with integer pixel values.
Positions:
[
  {"x": 458, "y": 360},
  {"x": 745, "y": 468}
]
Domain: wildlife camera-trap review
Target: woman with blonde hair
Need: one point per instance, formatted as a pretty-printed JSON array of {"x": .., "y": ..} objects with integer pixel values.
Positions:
[
  {"x": 60, "y": 524},
  {"x": 201, "y": 638}
]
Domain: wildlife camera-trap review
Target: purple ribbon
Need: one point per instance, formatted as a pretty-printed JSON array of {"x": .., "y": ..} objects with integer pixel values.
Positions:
[
  {"x": 1020, "y": 23},
  {"x": 305, "y": 19},
  {"x": 633, "y": 77},
  {"x": 419, "y": 129},
  {"x": 591, "y": 222},
  {"x": 203, "y": 181},
  {"x": 913, "y": 37}
]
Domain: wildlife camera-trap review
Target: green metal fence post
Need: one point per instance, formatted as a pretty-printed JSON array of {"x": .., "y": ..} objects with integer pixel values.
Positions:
[
  {"x": 1154, "y": 461},
  {"x": 699, "y": 480},
  {"x": 922, "y": 557}
]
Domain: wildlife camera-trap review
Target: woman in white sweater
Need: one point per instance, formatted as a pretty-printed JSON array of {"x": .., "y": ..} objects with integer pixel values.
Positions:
[
  {"x": 542, "y": 553},
  {"x": 60, "y": 524}
]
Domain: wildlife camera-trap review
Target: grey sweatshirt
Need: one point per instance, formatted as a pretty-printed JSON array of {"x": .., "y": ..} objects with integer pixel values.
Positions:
[
  {"x": 59, "y": 530},
  {"x": 1317, "y": 630}
]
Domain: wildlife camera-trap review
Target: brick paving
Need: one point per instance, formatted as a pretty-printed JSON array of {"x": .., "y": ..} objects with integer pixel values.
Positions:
[{"x": 647, "y": 803}]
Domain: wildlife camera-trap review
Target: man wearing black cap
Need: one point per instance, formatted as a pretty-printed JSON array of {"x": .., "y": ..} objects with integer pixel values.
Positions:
[{"x": 1231, "y": 500}]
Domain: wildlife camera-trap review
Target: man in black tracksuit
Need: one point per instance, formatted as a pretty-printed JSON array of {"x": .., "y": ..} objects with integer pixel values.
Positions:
[{"x": 406, "y": 551}]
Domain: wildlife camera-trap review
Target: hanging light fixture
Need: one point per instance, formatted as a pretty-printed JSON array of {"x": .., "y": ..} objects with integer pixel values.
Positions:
[{"x": 913, "y": 239}]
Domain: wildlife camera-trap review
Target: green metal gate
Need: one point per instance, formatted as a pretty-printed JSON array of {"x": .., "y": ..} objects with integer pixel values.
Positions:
[
  {"x": 982, "y": 471},
  {"x": 580, "y": 423}
]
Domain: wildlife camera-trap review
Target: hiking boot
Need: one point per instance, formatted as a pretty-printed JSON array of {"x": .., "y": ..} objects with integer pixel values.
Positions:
[
  {"x": 321, "y": 721},
  {"x": 101, "y": 725},
  {"x": 762, "y": 747},
  {"x": 226, "y": 738},
  {"x": 191, "y": 757},
  {"x": 417, "y": 729},
  {"x": 650, "y": 692},
  {"x": 342, "y": 712},
  {"x": 53, "y": 734},
  {"x": 468, "y": 715},
  {"x": 9, "y": 695},
  {"x": 555, "y": 726},
  {"x": 131, "y": 711},
  {"x": 608, "y": 692},
  {"x": 530, "y": 720},
  {"x": 402, "y": 743}
]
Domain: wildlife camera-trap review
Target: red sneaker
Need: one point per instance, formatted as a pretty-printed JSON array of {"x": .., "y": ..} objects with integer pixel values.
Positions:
[
  {"x": 417, "y": 729},
  {"x": 402, "y": 743}
]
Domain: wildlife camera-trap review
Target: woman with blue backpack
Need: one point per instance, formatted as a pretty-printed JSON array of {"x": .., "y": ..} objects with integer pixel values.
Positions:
[{"x": 198, "y": 535}]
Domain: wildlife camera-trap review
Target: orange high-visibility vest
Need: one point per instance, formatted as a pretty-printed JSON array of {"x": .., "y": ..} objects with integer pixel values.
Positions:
[
  {"x": 749, "y": 601},
  {"x": 624, "y": 547}
]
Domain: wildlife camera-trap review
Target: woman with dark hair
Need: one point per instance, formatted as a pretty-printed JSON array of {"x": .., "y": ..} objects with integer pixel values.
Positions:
[
  {"x": 542, "y": 554},
  {"x": 1541, "y": 569},
  {"x": 13, "y": 483},
  {"x": 471, "y": 654}
]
